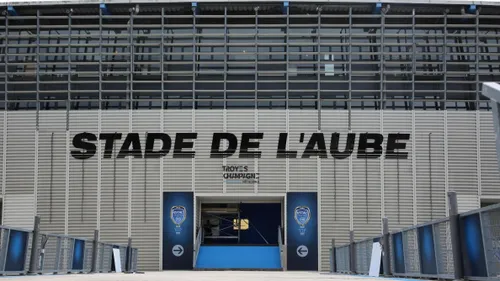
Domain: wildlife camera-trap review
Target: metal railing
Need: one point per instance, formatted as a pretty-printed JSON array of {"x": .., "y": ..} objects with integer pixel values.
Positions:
[
  {"x": 28, "y": 251},
  {"x": 463, "y": 245}
]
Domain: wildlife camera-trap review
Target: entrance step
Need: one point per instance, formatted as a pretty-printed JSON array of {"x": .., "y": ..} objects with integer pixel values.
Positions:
[{"x": 238, "y": 258}]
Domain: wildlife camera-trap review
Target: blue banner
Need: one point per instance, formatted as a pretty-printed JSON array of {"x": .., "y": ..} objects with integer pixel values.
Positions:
[
  {"x": 428, "y": 263},
  {"x": 302, "y": 231},
  {"x": 398, "y": 251},
  {"x": 78, "y": 254},
  {"x": 472, "y": 246},
  {"x": 16, "y": 251},
  {"x": 178, "y": 216}
]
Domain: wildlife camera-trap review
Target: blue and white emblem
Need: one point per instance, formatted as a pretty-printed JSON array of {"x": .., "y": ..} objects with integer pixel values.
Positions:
[
  {"x": 178, "y": 216},
  {"x": 302, "y": 215}
]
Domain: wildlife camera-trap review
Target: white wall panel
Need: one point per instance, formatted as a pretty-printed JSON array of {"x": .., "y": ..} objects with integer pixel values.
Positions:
[
  {"x": 208, "y": 170},
  {"x": 145, "y": 189},
  {"x": 398, "y": 183},
  {"x": 177, "y": 174},
  {"x": 462, "y": 152},
  {"x": 366, "y": 180},
  {"x": 83, "y": 175},
  {"x": 145, "y": 177},
  {"x": 272, "y": 177},
  {"x": 334, "y": 186},
  {"x": 303, "y": 171},
  {"x": 51, "y": 199},
  {"x": 430, "y": 161},
  {"x": 114, "y": 181},
  {"x": 19, "y": 211},
  {"x": 238, "y": 122},
  {"x": 490, "y": 177}
]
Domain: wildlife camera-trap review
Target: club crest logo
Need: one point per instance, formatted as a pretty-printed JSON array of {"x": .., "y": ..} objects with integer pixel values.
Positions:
[
  {"x": 178, "y": 216},
  {"x": 302, "y": 215}
]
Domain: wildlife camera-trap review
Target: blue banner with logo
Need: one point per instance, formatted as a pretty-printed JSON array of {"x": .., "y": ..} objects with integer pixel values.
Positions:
[
  {"x": 472, "y": 246},
  {"x": 16, "y": 251},
  {"x": 398, "y": 252},
  {"x": 178, "y": 216},
  {"x": 78, "y": 254},
  {"x": 302, "y": 231},
  {"x": 428, "y": 263}
]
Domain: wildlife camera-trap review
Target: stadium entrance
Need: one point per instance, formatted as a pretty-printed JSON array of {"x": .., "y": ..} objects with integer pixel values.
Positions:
[{"x": 239, "y": 233}]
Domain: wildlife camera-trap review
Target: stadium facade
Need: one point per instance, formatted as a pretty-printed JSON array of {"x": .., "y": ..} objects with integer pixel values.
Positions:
[{"x": 376, "y": 109}]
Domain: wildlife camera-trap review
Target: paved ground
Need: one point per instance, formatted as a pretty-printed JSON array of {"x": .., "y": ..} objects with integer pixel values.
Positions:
[{"x": 200, "y": 276}]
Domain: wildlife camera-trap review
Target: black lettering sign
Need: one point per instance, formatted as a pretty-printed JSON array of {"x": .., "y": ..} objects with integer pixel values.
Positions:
[
  {"x": 317, "y": 139},
  {"x": 282, "y": 152},
  {"x": 150, "y": 143},
  {"x": 136, "y": 151},
  {"x": 364, "y": 145},
  {"x": 394, "y": 144},
  {"x": 247, "y": 144},
  {"x": 110, "y": 141},
  {"x": 180, "y": 144},
  {"x": 216, "y": 143},
  {"x": 349, "y": 146},
  {"x": 85, "y": 148}
]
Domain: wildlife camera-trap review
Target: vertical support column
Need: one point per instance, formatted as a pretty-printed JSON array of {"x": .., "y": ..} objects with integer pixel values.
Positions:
[
  {"x": 129, "y": 256},
  {"x": 455, "y": 235},
  {"x": 386, "y": 247},
  {"x": 352, "y": 252},
  {"x": 95, "y": 244},
  {"x": 333, "y": 267},
  {"x": 34, "y": 247}
]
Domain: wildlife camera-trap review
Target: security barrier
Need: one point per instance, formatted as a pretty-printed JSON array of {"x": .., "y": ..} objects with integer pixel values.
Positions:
[
  {"x": 28, "y": 251},
  {"x": 460, "y": 246}
]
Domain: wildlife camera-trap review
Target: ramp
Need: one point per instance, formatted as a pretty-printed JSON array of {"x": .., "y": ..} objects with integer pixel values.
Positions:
[{"x": 239, "y": 257}]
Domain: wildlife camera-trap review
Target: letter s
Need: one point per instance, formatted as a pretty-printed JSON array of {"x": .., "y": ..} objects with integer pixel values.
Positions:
[{"x": 86, "y": 149}]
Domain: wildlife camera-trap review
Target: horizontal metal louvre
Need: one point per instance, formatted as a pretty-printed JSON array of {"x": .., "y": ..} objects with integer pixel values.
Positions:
[{"x": 236, "y": 56}]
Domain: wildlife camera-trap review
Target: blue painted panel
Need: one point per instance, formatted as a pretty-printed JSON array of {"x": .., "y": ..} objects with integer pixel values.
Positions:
[{"x": 227, "y": 257}]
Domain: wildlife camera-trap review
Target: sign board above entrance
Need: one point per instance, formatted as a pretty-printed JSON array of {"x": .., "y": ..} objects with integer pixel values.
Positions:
[{"x": 369, "y": 145}]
